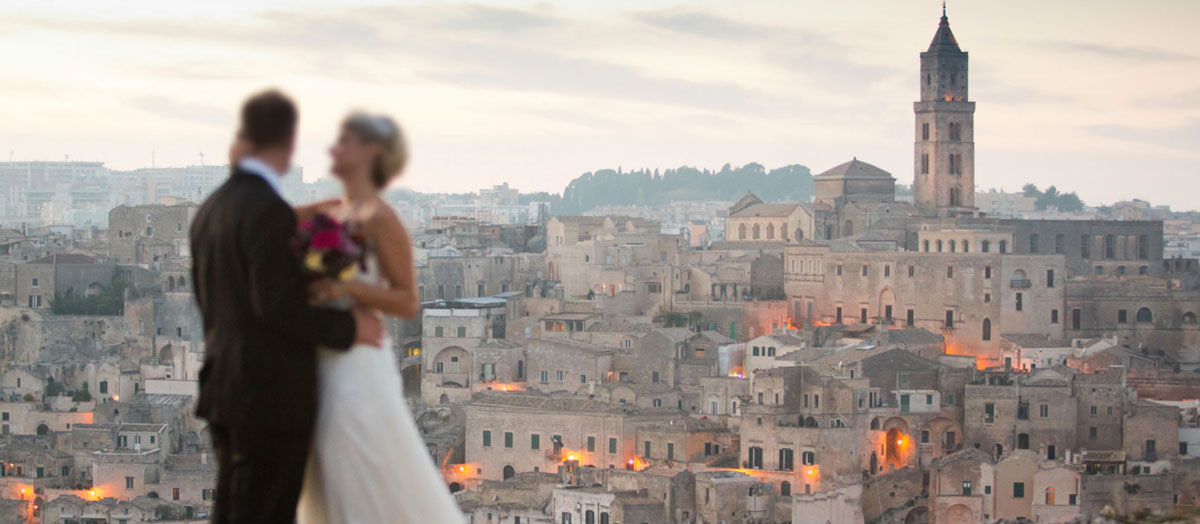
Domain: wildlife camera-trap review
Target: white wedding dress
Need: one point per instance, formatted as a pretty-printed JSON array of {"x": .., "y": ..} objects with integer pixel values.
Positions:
[{"x": 369, "y": 463}]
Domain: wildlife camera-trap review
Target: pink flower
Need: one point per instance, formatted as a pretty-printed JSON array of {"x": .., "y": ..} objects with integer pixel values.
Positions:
[{"x": 326, "y": 240}]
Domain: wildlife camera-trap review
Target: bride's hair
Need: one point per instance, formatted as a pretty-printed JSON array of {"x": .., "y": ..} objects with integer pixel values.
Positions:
[{"x": 382, "y": 130}]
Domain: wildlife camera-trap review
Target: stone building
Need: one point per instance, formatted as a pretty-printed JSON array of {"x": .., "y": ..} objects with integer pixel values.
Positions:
[
  {"x": 971, "y": 299},
  {"x": 521, "y": 432},
  {"x": 142, "y": 235}
]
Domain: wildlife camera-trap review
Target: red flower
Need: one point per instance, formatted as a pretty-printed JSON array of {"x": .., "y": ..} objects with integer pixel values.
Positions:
[{"x": 326, "y": 240}]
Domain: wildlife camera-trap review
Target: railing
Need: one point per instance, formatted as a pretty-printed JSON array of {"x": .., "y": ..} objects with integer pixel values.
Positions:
[{"x": 1021, "y": 283}]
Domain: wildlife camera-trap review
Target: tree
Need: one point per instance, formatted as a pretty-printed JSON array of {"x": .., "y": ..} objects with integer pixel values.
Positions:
[{"x": 1030, "y": 190}]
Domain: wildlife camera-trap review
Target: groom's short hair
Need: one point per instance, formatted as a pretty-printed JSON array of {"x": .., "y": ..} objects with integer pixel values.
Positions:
[{"x": 269, "y": 119}]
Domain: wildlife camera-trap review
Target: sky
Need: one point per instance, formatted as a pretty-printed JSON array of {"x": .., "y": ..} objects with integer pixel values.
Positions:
[{"x": 1101, "y": 97}]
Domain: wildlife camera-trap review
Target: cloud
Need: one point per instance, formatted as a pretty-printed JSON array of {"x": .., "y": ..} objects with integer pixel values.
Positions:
[
  {"x": 192, "y": 113},
  {"x": 1180, "y": 140},
  {"x": 700, "y": 24},
  {"x": 1144, "y": 54}
]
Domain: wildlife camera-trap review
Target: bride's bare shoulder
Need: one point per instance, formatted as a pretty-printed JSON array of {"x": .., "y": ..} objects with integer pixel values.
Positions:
[{"x": 383, "y": 222}]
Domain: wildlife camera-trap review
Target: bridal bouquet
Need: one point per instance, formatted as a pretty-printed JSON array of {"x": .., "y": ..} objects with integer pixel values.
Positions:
[{"x": 329, "y": 248}]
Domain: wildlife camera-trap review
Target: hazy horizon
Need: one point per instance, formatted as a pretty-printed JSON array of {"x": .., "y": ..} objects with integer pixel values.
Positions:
[{"x": 1100, "y": 98}]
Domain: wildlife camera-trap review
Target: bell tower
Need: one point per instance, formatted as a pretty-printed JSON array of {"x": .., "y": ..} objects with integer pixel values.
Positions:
[{"x": 944, "y": 162}]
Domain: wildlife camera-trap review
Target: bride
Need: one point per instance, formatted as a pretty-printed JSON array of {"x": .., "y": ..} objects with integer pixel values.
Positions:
[{"x": 368, "y": 462}]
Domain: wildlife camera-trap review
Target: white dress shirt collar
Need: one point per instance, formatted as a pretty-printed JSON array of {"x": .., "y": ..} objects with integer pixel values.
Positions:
[{"x": 264, "y": 171}]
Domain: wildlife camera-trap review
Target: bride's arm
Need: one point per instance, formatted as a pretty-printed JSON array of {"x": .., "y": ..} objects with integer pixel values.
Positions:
[
  {"x": 308, "y": 211},
  {"x": 395, "y": 253}
]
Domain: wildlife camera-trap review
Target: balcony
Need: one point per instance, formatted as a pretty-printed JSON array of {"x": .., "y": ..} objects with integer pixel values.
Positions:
[
  {"x": 1020, "y": 283},
  {"x": 455, "y": 379}
]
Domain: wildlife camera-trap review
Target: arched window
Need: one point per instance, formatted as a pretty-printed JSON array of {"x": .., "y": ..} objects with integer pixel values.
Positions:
[
  {"x": 785, "y": 489},
  {"x": 509, "y": 472},
  {"x": 181, "y": 284},
  {"x": 799, "y": 234},
  {"x": 1189, "y": 318},
  {"x": 1144, "y": 315},
  {"x": 1049, "y": 496},
  {"x": 170, "y": 283},
  {"x": 756, "y": 232},
  {"x": 875, "y": 423},
  {"x": 848, "y": 229},
  {"x": 770, "y": 231},
  {"x": 604, "y": 517},
  {"x": 742, "y": 232},
  {"x": 987, "y": 329},
  {"x": 952, "y": 155},
  {"x": 1099, "y": 270}
]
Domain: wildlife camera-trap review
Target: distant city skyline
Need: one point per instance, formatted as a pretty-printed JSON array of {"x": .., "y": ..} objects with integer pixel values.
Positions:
[{"x": 1101, "y": 98}]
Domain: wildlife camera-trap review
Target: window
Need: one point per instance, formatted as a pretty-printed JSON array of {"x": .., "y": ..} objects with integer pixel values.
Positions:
[
  {"x": 508, "y": 439},
  {"x": 174, "y": 493},
  {"x": 966, "y": 246},
  {"x": 583, "y": 379},
  {"x": 558, "y": 376},
  {"x": 1059, "y": 244},
  {"x": 487, "y": 438},
  {"x": 1122, "y": 316},
  {"x": 34, "y": 283},
  {"x": 924, "y": 436},
  {"x": 924, "y": 163},
  {"x": 545, "y": 377},
  {"x": 149, "y": 231},
  {"x": 987, "y": 246},
  {"x": 437, "y": 331},
  {"x": 1049, "y": 278},
  {"x": 1049, "y": 496},
  {"x": 910, "y": 318},
  {"x": 1020, "y": 302},
  {"x": 925, "y": 131},
  {"x": 1018, "y": 490},
  {"x": 864, "y": 270},
  {"x": 654, "y": 377},
  {"x": 1053, "y": 316},
  {"x": 612, "y": 446},
  {"x": 670, "y": 451},
  {"x": 939, "y": 246},
  {"x": 1044, "y": 411},
  {"x": 912, "y": 271},
  {"x": 462, "y": 332},
  {"x": 808, "y": 458},
  {"x": 966, "y": 488},
  {"x": 1034, "y": 241},
  {"x": 1085, "y": 246},
  {"x": 591, "y": 444},
  {"x": 839, "y": 315},
  {"x": 786, "y": 459},
  {"x": 887, "y": 271},
  {"x": 863, "y": 316},
  {"x": 1095, "y": 410},
  {"x": 839, "y": 270},
  {"x": 987, "y": 329},
  {"x": 949, "y": 318},
  {"x": 1092, "y": 432},
  {"x": 1003, "y": 247},
  {"x": 128, "y": 482},
  {"x": 953, "y": 246},
  {"x": 1144, "y": 315},
  {"x": 103, "y": 386},
  {"x": 1110, "y": 246},
  {"x": 987, "y": 271},
  {"x": 1143, "y": 247}
]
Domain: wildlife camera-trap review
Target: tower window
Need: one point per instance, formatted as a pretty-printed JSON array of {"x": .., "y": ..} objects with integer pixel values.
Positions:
[
  {"x": 925, "y": 131},
  {"x": 924, "y": 163},
  {"x": 952, "y": 155}
]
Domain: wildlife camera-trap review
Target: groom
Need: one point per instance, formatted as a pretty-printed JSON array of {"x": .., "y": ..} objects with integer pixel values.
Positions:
[{"x": 258, "y": 384}]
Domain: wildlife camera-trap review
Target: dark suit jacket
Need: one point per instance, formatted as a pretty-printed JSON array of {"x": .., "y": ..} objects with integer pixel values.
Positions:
[{"x": 260, "y": 334}]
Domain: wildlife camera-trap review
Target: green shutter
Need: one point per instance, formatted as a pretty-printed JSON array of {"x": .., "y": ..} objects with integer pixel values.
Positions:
[
  {"x": 487, "y": 438},
  {"x": 591, "y": 444},
  {"x": 535, "y": 441},
  {"x": 508, "y": 439},
  {"x": 612, "y": 446}
]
